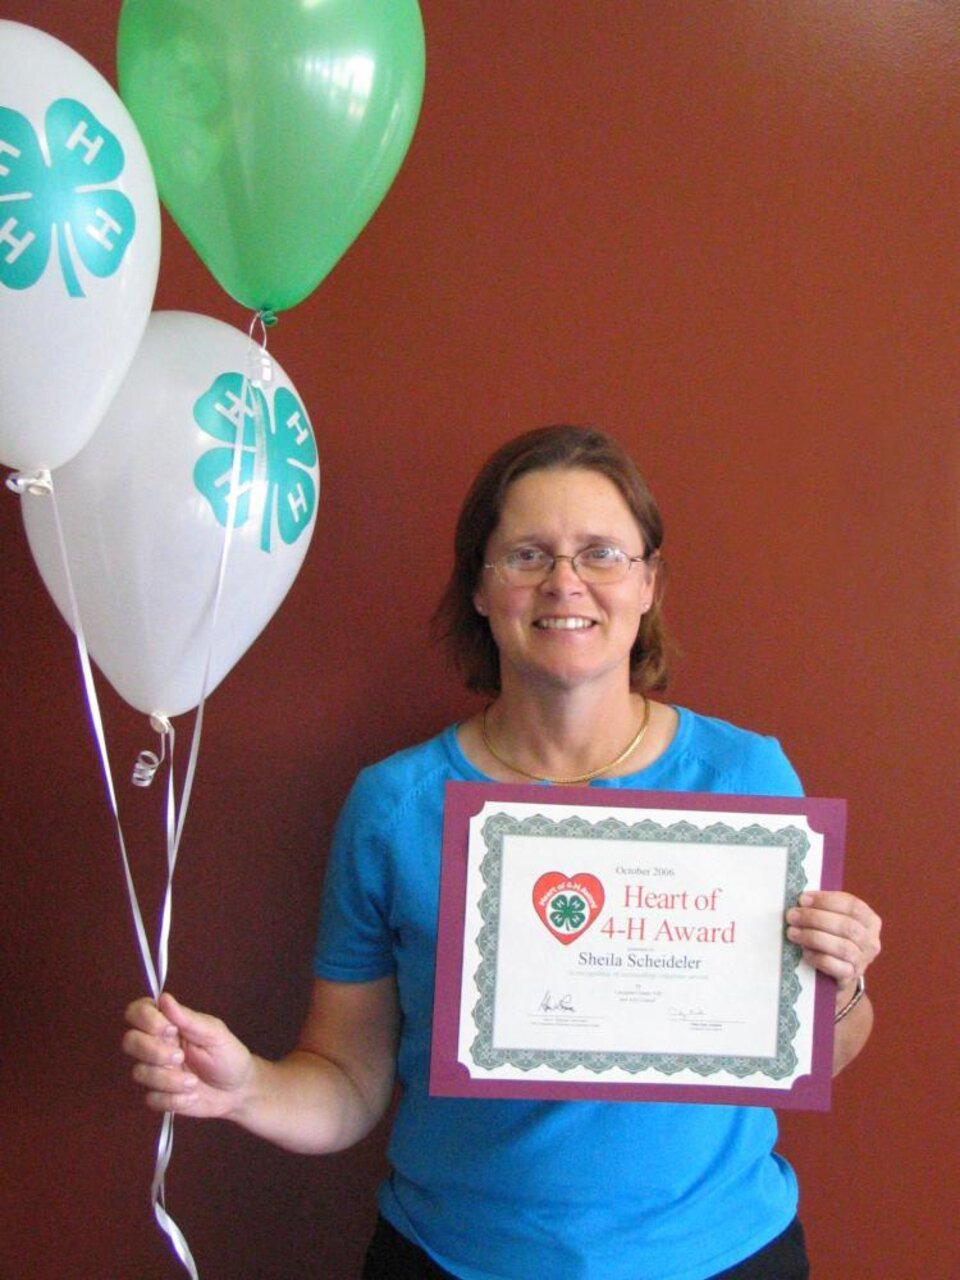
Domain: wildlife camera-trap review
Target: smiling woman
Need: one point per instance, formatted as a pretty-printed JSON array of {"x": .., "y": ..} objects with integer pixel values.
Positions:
[
  {"x": 555, "y": 449},
  {"x": 555, "y": 626},
  {"x": 556, "y": 587},
  {"x": 553, "y": 608}
]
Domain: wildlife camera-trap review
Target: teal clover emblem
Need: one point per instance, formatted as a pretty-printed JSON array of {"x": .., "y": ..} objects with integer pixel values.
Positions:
[
  {"x": 568, "y": 913},
  {"x": 276, "y": 450},
  {"x": 67, "y": 199}
]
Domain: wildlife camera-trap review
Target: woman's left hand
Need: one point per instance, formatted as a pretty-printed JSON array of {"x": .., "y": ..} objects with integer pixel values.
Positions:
[{"x": 839, "y": 934}]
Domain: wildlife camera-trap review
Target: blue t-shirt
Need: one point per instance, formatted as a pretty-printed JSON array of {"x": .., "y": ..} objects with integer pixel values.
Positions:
[{"x": 509, "y": 1190}]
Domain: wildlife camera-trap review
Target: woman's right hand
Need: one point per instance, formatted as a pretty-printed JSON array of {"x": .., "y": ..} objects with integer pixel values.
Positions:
[
  {"x": 188, "y": 1062},
  {"x": 324, "y": 1096}
]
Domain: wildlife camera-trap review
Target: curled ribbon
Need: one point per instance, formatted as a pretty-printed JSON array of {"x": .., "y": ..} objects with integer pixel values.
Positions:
[
  {"x": 148, "y": 762},
  {"x": 145, "y": 768}
]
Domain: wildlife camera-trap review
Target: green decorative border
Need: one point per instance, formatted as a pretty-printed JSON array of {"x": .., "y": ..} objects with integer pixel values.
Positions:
[{"x": 499, "y": 825}]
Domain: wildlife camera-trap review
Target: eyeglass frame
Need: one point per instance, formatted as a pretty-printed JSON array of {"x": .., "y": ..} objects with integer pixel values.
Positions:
[{"x": 631, "y": 561}]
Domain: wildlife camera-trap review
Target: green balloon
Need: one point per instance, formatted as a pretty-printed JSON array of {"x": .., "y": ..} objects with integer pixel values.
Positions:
[{"x": 274, "y": 127}]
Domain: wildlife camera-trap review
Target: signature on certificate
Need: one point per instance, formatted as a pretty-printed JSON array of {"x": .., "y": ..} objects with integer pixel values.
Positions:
[
  {"x": 558, "y": 1004},
  {"x": 684, "y": 1015}
]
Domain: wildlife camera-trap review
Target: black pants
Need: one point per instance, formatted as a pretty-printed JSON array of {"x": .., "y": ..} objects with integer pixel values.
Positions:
[{"x": 392, "y": 1256}]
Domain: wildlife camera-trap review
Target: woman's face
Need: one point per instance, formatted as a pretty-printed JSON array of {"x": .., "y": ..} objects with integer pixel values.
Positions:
[{"x": 564, "y": 632}]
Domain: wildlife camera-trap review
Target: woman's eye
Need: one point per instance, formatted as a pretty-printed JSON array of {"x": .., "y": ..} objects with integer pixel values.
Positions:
[
  {"x": 600, "y": 555},
  {"x": 526, "y": 558}
]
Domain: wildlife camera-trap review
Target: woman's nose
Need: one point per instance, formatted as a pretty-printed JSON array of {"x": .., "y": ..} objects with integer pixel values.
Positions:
[{"x": 563, "y": 575}]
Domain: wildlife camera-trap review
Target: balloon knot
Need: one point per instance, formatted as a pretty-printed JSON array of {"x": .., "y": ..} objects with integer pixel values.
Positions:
[
  {"x": 268, "y": 317},
  {"x": 36, "y": 482}
]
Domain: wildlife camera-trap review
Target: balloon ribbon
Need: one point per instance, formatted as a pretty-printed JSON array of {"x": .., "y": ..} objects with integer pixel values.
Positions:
[{"x": 39, "y": 483}]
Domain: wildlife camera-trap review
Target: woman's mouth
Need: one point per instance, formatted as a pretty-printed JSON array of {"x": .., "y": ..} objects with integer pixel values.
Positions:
[{"x": 564, "y": 624}]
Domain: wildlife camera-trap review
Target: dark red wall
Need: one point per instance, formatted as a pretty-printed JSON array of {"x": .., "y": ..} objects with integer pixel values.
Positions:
[{"x": 729, "y": 234}]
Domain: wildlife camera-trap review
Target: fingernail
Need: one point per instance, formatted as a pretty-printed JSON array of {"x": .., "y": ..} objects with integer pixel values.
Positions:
[
  {"x": 176, "y": 1058},
  {"x": 190, "y": 1082},
  {"x": 806, "y": 899}
]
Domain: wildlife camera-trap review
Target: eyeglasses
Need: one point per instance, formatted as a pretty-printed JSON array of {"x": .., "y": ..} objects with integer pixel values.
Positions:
[{"x": 531, "y": 566}]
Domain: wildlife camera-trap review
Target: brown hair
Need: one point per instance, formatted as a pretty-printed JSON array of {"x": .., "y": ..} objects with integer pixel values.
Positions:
[{"x": 456, "y": 621}]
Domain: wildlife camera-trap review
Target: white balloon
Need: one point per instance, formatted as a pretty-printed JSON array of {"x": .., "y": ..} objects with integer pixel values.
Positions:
[
  {"x": 145, "y": 507},
  {"x": 79, "y": 247}
]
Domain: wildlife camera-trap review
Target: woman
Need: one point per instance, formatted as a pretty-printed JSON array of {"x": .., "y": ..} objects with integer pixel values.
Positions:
[{"x": 554, "y": 610}]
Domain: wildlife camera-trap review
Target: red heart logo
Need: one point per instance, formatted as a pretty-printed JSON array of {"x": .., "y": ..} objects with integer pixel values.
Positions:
[{"x": 568, "y": 905}]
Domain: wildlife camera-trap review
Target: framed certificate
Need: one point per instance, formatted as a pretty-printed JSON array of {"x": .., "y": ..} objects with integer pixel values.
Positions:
[{"x": 630, "y": 945}]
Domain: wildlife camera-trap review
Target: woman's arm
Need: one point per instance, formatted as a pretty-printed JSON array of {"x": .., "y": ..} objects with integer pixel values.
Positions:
[
  {"x": 324, "y": 1096},
  {"x": 840, "y": 936},
  {"x": 853, "y": 1030}
]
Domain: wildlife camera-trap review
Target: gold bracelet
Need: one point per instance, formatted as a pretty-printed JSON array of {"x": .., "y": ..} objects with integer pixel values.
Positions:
[{"x": 854, "y": 1000}]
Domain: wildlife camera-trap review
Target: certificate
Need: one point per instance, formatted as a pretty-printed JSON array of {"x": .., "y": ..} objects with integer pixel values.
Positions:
[{"x": 630, "y": 945}]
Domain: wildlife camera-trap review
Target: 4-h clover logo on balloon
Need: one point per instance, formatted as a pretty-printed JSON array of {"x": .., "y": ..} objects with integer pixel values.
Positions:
[
  {"x": 68, "y": 198},
  {"x": 278, "y": 454}
]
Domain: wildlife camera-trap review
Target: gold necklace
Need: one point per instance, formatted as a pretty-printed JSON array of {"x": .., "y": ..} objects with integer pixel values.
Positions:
[{"x": 582, "y": 777}]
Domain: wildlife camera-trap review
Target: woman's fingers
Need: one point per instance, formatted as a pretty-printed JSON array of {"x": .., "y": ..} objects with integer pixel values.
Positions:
[
  {"x": 200, "y": 1029},
  {"x": 171, "y": 1022},
  {"x": 152, "y": 1038},
  {"x": 144, "y": 1015},
  {"x": 169, "y": 1090},
  {"x": 185, "y": 1060},
  {"x": 164, "y": 1079},
  {"x": 160, "y": 1051},
  {"x": 839, "y": 933},
  {"x": 824, "y": 954}
]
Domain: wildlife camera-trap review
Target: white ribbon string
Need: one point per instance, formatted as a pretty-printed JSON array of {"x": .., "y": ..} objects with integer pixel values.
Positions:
[
  {"x": 174, "y": 825},
  {"x": 259, "y": 363},
  {"x": 175, "y": 820},
  {"x": 176, "y": 815},
  {"x": 145, "y": 765},
  {"x": 93, "y": 707},
  {"x": 158, "y": 1198},
  {"x": 40, "y": 483},
  {"x": 155, "y": 980}
]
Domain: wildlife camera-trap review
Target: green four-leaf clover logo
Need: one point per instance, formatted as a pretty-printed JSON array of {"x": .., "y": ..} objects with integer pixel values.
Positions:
[
  {"x": 66, "y": 198},
  {"x": 568, "y": 913},
  {"x": 277, "y": 453}
]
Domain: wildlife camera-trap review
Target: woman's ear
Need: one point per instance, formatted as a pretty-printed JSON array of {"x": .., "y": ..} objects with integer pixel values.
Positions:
[
  {"x": 649, "y": 592},
  {"x": 655, "y": 569},
  {"x": 478, "y": 604}
]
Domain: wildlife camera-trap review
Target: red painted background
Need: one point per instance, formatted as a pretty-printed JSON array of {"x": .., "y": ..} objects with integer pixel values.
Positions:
[{"x": 728, "y": 233}]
